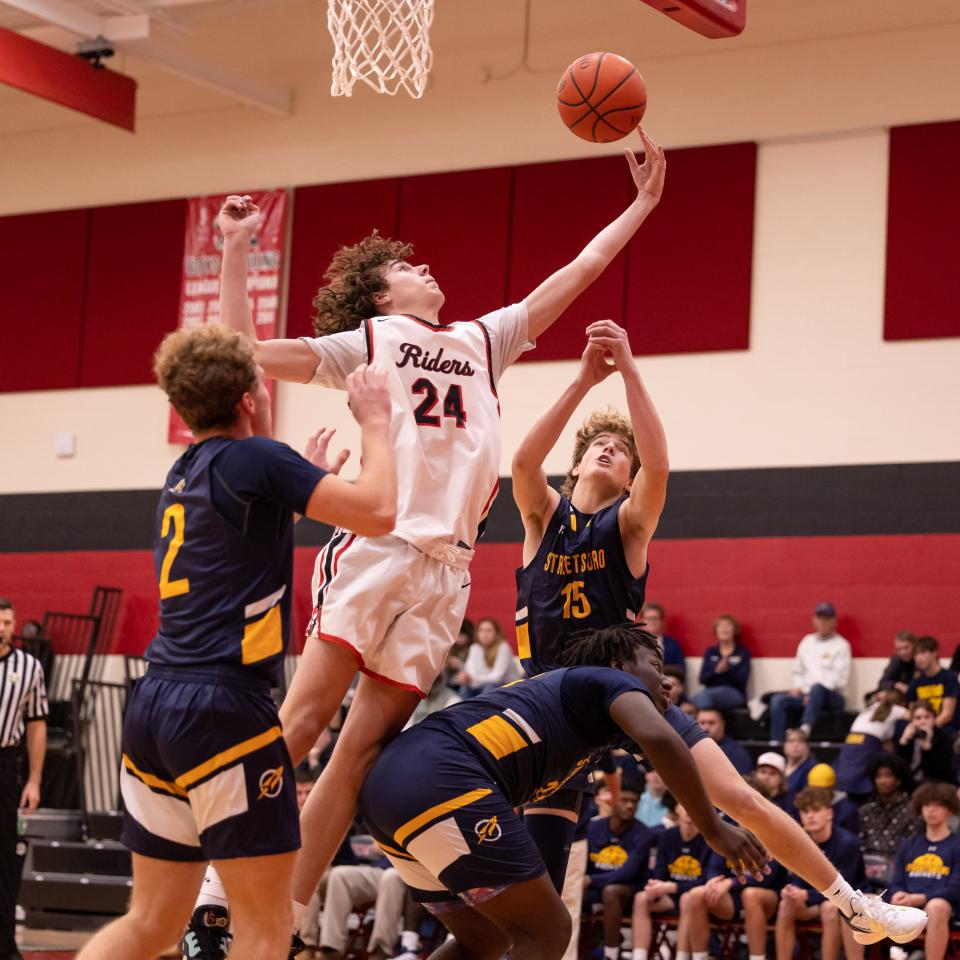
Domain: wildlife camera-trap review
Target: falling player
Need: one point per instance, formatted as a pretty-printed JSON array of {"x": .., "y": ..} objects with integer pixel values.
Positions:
[
  {"x": 392, "y": 606},
  {"x": 585, "y": 565},
  {"x": 205, "y": 774}
]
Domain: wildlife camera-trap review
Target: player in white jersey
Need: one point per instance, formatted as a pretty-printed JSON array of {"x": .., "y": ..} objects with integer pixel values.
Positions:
[{"x": 392, "y": 606}]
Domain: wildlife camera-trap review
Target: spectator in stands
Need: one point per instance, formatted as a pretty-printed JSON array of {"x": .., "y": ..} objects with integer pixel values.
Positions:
[
  {"x": 800, "y": 761},
  {"x": 354, "y": 887},
  {"x": 682, "y": 855},
  {"x": 926, "y": 748},
  {"x": 713, "y": 723},
  {"x": 798, "y": 901},
  {"x": 927, "y": 870},
  {"x": 725, "y": 669},
  {"x": 900, "y": 669},
  {"x": 887, "y": 818},
  {"x": 654, "y": 802},
  {"x": 678, "y": 684},
  {"x": 870, "y": 734},
  {"x": 845, "y": 812},
  {"x": 772, "y": 774},
  {"x": 653, "y": 617},
  {"x": 821, "y": 669},
  {"x": 933, "y": 683},
  {"x": 489, "y": 660},
  {"x": 438, "y": 697},
  {"x": 457, "y": 655},
  {"x": 414, "y": 914},
  {"x": 619, "y": 857}
]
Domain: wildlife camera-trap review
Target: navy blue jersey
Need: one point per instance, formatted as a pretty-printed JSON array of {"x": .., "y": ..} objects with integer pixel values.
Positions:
[
  {"x": 618, "y": 857},
  {"x": 578, "y": 580},
  {"x": 532, "y": 736},
  {"x": 223, "y": 553},
  {"x": 842, "y": 849},
  {"x": 930, "y": 867},
  {"x": 683, "y": 862}
]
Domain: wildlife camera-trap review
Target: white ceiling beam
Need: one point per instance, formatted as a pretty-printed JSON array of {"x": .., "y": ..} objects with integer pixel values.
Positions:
[
  {"x": 87, "y": 25},
  {"x": 264, "y": 96}
]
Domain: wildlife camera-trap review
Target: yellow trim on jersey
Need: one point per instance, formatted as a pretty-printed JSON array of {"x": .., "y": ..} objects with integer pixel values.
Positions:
[
  {"x": 263, "y": 638},
  {"x": 573, "y": 521},
  {"x": 498, "y": 736},
  {"x": 228, "y": 756},
  {"x": 435, "y": 812},
  {"x": 393, "y": 853},
  {"x": 151, "y": 781},
  {"x": 523, "y": 641}
]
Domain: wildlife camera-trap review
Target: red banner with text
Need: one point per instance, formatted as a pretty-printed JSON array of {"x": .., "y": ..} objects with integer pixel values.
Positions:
[{"x": 200, "y": 289}]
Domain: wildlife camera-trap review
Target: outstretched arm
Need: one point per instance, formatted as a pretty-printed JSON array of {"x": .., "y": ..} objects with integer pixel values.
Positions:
[
  {"x": 534, "y": 497},
  {"x": 558, "y": 291},
  {"x": 636, "y": 715},
  {"x": 648, "y": 492},
  {"x": 280, "y": 359}
]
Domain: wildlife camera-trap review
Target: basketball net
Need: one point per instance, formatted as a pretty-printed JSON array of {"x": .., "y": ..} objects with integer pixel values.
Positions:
[{"x": 384, "y": 43}]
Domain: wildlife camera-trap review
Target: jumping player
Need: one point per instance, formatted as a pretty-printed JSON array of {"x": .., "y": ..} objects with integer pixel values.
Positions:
[
  {"x": 585, "y": 565},
  {"x": 391, "y": 606},
  {"x": 451, "y": 830},
  {"x": 206, "y": 776}
]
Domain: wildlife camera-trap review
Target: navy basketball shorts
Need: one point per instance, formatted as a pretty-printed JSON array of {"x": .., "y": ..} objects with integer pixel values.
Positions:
[
  {"x": 205, "y": 772},
  {"x": 444, "y": 823}
]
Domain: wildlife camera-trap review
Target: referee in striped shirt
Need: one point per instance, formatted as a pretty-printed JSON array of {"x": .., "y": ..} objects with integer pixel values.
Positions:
[{"x": 23, "y": 709}]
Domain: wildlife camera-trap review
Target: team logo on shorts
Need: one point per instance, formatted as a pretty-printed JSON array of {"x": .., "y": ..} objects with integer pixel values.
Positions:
[
  {"x": 488, "y": 830},
  {"x": 271, "y": 783}
]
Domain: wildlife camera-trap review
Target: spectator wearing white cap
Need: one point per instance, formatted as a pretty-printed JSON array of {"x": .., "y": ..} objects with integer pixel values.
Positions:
[
  {"x": 821, "y": 669},
  {"x": 772, "y": 774},
  {"x": 845, "y": 812}
]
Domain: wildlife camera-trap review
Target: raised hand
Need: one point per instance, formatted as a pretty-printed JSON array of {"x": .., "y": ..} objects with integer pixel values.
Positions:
[
  {"x": 649, "y": 175},
  {"x": 612, "y": 339},
  {"x": 367, "y": 395},
  {"x": 594, "y": 367},
  {"x": 316, "y": 451},
  {"x": 238, "y": 217}
]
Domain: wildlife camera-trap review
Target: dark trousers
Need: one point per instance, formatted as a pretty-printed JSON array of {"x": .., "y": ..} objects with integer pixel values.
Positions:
[{"x": 12, "y": 850}]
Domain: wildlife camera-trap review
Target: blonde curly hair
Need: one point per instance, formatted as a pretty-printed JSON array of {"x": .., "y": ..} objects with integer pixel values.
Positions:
[
  {"x": 354, "y": 276},
  {"x": 600, "y": 421}
]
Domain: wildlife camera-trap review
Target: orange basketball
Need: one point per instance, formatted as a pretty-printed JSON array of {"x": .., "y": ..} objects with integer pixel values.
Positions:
[{"x": 601, "y": 97}]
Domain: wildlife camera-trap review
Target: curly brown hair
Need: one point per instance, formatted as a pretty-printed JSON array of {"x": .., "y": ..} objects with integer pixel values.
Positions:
[
  {"x": 204, "y": 372},
  {"x": 813, "y": 798},
  {"x": 932, "y": 792},
  {"x": 600, "y": 421},
  {"x": 355, "y": 274}
]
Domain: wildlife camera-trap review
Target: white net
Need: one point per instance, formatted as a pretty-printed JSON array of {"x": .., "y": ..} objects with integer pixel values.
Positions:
[{"x": 384, "y": 43}]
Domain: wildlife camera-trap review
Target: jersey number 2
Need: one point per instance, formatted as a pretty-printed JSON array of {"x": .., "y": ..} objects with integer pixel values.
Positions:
[
  {"x": 176, "y": 515},
  {"x": 452, "y": 404},
  {"x": 575, "y": 603}
]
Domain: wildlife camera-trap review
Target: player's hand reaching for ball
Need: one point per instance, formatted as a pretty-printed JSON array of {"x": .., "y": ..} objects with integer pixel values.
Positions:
[
  {"x": 317, "y": 447},
  {"x": 612, "y": 341},
  {"x": 649, "y": 175},
  {"x": 741, "y": 849},
  {"x": 239, "y": 218},
  {"x": 594, "y": 367},
  {"x": 368, "y": 397}
]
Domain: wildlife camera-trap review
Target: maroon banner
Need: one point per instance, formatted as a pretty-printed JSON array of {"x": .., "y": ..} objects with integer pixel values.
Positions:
[{"x": 200, "y": 290}]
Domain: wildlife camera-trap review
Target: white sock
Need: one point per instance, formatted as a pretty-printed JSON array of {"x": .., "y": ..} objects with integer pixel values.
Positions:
[
  {"x": 211, "y": 890},
  {"x": 639, "y": 953},
  {"x": 611, "y": 953},
  {"x": 758, "y": 956},
  {"x": 683, "y": 955},
  {"x": 299, "y": 909},
  {"x": 696, "y": 955},
  {"x": 840, "y": 893},
  {"x": 410, "y": 941}
]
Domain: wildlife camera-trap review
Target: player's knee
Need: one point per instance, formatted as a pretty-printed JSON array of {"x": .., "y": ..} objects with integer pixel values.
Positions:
[
  {"x": 828, "y": 912},
  {"x": 938, "y": 909},
  {"x": 156, "y": 925},
  {"x": 641, "y": 902},
  {"x": 609, "y": 894},
  {"x": 550, "y": 938}
]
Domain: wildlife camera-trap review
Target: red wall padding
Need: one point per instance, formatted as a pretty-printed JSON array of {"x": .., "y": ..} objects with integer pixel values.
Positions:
[
  {"x": 43, "y": 290},
  {"x": 689, "y": 267},
  {"x": 459, "y": 224},
  {"x": 923, "y": 282},
  {"x": 557, "y": 208},
  {"x": 325, "y": 218},
  {"x": 880, "y": 584},
  {"x": 133, "y": 289}
]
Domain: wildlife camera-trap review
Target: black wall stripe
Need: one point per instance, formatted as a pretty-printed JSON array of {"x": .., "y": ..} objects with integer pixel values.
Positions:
[{"x": 780, "y": 502}]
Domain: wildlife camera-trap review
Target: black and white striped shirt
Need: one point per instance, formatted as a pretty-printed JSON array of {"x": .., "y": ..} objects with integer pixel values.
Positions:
[{"x": 23, "y": 695}]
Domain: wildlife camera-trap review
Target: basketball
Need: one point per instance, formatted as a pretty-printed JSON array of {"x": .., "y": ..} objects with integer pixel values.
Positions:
[{"x": 601, "y": 97}]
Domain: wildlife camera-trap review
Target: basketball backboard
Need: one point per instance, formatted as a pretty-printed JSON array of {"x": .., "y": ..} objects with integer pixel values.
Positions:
[{"x": 711, "y": 18}]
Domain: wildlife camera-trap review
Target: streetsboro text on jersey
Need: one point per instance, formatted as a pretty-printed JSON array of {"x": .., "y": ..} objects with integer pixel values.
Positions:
[{"x": 565, "y": 563}]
